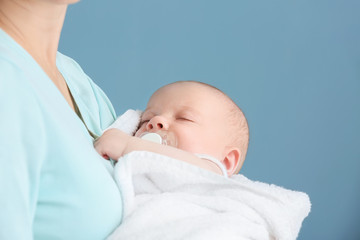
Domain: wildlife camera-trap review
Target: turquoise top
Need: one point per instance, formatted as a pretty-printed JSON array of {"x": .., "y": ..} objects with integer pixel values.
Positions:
[{"x": 53, "y": 184}]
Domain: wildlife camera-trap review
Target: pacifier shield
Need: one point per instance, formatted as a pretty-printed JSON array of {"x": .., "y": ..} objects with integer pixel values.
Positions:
[
  {"x": 152, "y": 137},
  {"x": 161, "y": 137}
]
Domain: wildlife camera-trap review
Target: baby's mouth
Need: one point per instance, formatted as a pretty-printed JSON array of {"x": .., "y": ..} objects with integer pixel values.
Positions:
[{"x": 161, "y": 137}]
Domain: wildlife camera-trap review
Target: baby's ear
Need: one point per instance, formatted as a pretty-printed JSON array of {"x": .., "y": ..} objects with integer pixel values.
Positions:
[{"x": 232, "y": 160}]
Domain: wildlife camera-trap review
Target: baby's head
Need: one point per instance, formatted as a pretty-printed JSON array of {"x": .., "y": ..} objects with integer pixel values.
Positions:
[{"x": 203, "y": 119}]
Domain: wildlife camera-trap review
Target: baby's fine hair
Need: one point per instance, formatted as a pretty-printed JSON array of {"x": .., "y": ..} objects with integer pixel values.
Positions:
[{"x": 236, "y": 120}]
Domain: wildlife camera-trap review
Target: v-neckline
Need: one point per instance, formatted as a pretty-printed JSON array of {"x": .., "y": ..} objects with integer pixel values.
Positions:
[{"x": 78, "y": 113}]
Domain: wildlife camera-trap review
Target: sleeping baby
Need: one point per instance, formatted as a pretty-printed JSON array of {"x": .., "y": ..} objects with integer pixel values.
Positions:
[
  {"x": 177, "y": 189},
  {"x": 201, "y": 124}
]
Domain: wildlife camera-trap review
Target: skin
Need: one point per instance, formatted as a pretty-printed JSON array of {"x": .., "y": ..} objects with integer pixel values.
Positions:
[
  {"x": 36, "y": 26},
  {"x": 194, "y": 114}
]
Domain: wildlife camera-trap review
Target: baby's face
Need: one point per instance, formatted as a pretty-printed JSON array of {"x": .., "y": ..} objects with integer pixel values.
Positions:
[{"x": 193, "y": 113}]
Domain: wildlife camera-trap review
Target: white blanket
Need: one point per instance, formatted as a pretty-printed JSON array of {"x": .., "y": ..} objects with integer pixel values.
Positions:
[{"x": 168, "y": 199}]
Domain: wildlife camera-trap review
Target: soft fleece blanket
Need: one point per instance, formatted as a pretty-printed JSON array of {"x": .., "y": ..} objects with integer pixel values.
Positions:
[{"x": 169, "y": 199}]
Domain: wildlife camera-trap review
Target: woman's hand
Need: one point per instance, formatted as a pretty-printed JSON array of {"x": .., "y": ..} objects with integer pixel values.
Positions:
[{"x": 112, "y": 144}]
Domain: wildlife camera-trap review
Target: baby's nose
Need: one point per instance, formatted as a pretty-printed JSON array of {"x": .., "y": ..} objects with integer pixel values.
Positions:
[{"x": 157, "y": 123}]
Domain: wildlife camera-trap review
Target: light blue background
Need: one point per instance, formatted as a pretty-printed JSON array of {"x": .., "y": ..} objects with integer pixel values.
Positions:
[{"x": 293, "y": 66}]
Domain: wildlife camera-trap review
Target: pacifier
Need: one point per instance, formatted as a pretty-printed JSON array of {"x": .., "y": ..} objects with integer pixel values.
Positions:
[{"x": 161, "y": 137}]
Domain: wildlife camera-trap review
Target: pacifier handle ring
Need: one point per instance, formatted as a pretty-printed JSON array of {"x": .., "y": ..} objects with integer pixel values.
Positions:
[{"x": 215, "y": 161}]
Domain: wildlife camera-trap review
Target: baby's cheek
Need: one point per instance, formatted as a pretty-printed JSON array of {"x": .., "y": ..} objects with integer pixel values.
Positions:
[
  {"x": 196, "y": 143},
  {"x": 189, "y": 144}
]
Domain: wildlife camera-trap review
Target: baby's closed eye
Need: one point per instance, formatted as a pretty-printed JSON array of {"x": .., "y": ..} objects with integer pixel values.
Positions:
[{"x": 186, "y": 118}]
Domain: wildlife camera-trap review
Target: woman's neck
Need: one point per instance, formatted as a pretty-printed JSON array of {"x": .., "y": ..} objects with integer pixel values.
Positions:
[{"x": 36, "y": 26}]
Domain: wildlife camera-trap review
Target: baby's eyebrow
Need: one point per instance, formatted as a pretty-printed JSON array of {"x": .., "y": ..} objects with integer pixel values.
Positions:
[{"x": 190, "y": 110}]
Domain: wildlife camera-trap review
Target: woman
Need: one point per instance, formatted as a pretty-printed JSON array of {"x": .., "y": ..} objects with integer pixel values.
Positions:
[{"x": 53, "y": 184}]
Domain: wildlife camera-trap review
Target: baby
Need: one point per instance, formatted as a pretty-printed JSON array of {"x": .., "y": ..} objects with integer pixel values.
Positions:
[
  {"x": 204, "y": 125},
  {"x": 164, "y": 198}
]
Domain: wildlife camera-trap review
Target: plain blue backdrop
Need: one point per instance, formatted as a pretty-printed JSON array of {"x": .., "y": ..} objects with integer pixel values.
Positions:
[{"x": 292, "y": 66}]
